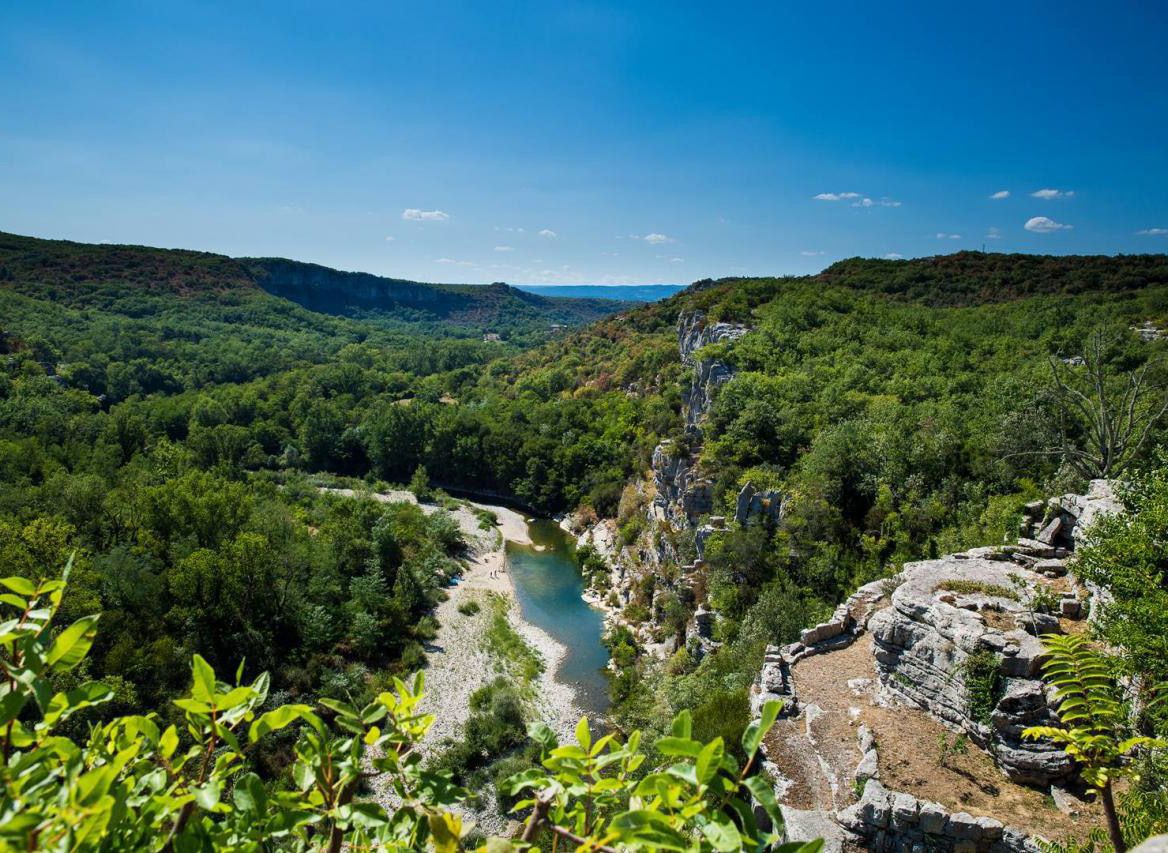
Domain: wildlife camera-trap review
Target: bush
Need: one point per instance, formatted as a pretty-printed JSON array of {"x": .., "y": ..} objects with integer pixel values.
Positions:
[
  {"x": 469, "y": 608},
  {"x": 420, "y": 484},
  {"x": 631, "y": 529},
  {"x": 984, "y": 683}
]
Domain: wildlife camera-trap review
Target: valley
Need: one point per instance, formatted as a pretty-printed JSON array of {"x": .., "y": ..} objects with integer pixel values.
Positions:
[{"x": 244, "y": 460}]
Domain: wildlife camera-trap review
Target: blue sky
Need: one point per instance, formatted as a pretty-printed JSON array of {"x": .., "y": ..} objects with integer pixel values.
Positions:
[{"x": 586, "y": 142}]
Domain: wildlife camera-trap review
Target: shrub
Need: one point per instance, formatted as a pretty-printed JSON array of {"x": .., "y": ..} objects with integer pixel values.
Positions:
[
  {"x": 469, "y": 607},
  {"x": 984, "y": 683}
]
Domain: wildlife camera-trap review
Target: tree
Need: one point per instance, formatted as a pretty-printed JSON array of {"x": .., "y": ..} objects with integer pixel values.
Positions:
[
  {"x": 420, "y": 484},
  {"x": 1127, "y": 555},
  {"x": 1105, "y": 419},
  {"x": 1093, "y": 722}
]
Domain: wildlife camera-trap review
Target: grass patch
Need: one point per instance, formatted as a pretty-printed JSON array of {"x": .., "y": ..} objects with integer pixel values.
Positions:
[
  {"x": 504, "y": 642},
  {"x": 469, "y": 608},
  {"x": 964, "y": 587},
  {"x": 984, "y": 684},
  {"x": 487, "y": 519}
]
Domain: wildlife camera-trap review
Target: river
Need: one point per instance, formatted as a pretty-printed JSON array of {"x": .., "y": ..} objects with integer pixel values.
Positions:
[{"x": 548, "y": 585}]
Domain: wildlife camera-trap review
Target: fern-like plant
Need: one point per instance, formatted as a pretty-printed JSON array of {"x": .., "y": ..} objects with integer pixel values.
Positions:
[{"x": 1093, "y": 720}]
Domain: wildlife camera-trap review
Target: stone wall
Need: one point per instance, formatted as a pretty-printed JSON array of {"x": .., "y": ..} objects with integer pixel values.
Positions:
[{"x": 890, "y": 821}]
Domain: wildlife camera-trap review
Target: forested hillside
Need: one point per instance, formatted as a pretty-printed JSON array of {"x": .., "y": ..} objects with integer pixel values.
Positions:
[
  {"x": 101, "y": 275},
  {"x": 166, "y": 419}
]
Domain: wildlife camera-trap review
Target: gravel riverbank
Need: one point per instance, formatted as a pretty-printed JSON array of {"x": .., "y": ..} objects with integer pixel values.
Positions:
[{"x": 458, "y": 662}]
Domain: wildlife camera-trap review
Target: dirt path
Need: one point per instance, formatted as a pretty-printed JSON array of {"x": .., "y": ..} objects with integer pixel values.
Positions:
[{"x": 817, "y": 750}]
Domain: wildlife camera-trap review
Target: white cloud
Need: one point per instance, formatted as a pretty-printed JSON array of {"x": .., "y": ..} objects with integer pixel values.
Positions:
[
  {"x": 412, "y": 214},
  {"x": 808, "y": 254},
  {"x": 656, "y": 239},
  {"x": 509, "y": 229},
  {"x": 504, "y": 249},
  {"x": 941, "y": 235},
  {"x": 677, "y": 260},
  {"x": 389, "y": 239},
  {"x": 882, "y": 202},
  {"x": 893, "y": 256},
  {"x": 1049, "y": 195},
  {"x": 547, "y": 232},
  {"x": 834, "y": 196},
  {"x": 454, "y": 262},
  {"x": 1045, "y": 225},
  {"x": 1000, "y": 194},
  {"x": 1153, "y": 232},
  {"x": 611, "y": 254},
  {"x": 994, "y": 234}
]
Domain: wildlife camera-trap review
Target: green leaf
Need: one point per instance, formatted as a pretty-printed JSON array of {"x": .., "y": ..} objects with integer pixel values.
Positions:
[
  {"x": 168, "y": 743},
  {"x": 764, "y": 794},
  {"x": 208, "y": 796},
  {"x": 11, "y": 704},
  {"x": 679, "y": 746},
  {"x": 71, "y": 646},
  {"x": 203, "y": 680},
  {"x": 249, "y": 794},
  {"x": 21, "y": 586},
  {"x": 583, "y": 735},
  {"x": 542, "y": 734},
  {"x": 751, "y": 738},
  {"x": 62, "y": 705},
  {"x": 722, "y": 834},
  {"x": 650, "y": 828},
  {"x": 709, "y": 759},
  {"x": 445, "y": 832},
  {"x": 281, "y": 717},
  {"x": 682, "y": 725},
  {"x": 770, "y": 713}
]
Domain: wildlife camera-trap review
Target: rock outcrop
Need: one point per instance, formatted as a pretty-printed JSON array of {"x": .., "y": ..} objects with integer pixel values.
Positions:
[
  {"x": 956, "y": 638},
  {"x": 681, "y": 495},
  {"x": 960, "y": 624},
  {"x": 752, "y": 503},
  {"x": 708, "y": 374}
]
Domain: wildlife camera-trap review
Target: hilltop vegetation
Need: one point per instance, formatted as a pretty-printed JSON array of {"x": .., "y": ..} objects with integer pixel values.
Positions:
[{"x": 118, "y": 278}]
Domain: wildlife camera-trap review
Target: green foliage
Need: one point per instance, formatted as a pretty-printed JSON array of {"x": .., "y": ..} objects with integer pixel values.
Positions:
[
  {"x": 469, "y": 608},
  {"x": 1090, "y": 712},
  {"x": 1093, "y": 723},
  {"x": 140, "y": 783},
  {"x": 698, "y": 797},
  {"x": 1128, "y": 555},
  {"x": 496, "y": 726},
  {"x": 505, "y": 643},
  {"x": 420, "y": 484},
  {"x": 948, "y": 746},
  {"x": 984, "y": 683}
]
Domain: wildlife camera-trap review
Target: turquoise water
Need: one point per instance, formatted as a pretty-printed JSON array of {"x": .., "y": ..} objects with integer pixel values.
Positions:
[{"x": 548, "y": 585}]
